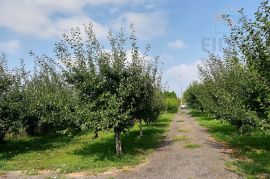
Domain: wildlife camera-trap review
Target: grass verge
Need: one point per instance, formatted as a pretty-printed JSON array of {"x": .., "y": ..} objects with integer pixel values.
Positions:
[
  {"x": 192, "y": 146},
  {"x": 252, "y": 152},
  {"x": 183, "y": 130},
  {"x": 66, "y": 154},
  {"x": 180, "y": 138}
]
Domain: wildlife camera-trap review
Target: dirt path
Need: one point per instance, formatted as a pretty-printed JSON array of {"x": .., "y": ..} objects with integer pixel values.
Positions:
[{"x": 175, "y": 160}]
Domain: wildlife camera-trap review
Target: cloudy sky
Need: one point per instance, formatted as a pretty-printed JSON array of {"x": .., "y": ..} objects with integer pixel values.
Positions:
[{"x": 179, "y": 31}]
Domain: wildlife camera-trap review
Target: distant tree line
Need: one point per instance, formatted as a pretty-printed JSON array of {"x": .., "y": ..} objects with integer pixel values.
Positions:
[
  {"x": 236, "y": 87},
  {"x": 84, "y": 88}
]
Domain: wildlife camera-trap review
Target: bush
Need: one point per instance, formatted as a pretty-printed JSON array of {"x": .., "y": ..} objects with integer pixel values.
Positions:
[
  {"x": 171, "y": 105},
  {"x": 11, "y": 97}
]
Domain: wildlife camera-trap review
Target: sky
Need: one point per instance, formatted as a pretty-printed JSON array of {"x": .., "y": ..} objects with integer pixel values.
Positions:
[{"x": 180, "y": 32}]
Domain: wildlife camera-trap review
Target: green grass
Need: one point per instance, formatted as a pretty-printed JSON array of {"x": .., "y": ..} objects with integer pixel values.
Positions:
[
  {"x": 192, "y": 146},
  {"x": 183, "y": 130},
  {"x": 66, "y": 154},
  {"x": 180, "y": 138},
  {"x": 252, "y": 152}
]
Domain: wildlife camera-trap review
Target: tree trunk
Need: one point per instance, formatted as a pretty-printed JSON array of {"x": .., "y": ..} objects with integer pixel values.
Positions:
[
  {"x": 2, "y": 136},
  {"x": 118, "y": 146},
  {"x": 96, "y": 135},
  {"x": 141, "y": 131},
  {"x": 31, "y": 123}
]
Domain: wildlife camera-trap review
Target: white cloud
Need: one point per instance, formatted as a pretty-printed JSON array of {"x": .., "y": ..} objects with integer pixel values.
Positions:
[
  {"x": 35, "y": 17},
  {"x": 180, "y": 76},
  {"x": 147, "y": 25},
  {"x": 177, "y": 44},
  {"x": 59, "y": 5},
  {"x": 122, "y": 2},
  {"x": 144, "y": 58},
  {"x": 24, "y": 17},
  {"x": 65, "y": 24},
  {"x": 111, "y": 2},
  {"x": 150, "y": 6},
  {"x": 10, "y": 46}
]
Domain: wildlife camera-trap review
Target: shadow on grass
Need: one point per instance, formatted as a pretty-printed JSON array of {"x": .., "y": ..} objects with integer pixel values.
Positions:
[
  {"x": 82, "y": 148},
  {"x": 256, "y": 150},
  {"x": 223, "y": 130},
  {"x": 214, "y": 144},
  {"x": 132, "y": 144},
  {"x": 258, "y": 164},
  {"x": 13, "y": 147},
  {"x": 195, "y": 113},
  {"x": 253, "y": 151},
  {"x": 252, "y": 142}
]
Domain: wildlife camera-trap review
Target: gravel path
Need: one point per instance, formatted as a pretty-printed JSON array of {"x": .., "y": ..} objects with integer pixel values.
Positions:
[{"x": 175, "y": 160}]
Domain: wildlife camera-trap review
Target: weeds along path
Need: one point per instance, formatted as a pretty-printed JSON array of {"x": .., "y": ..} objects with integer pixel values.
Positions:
[{"x": 188, "y": 152}]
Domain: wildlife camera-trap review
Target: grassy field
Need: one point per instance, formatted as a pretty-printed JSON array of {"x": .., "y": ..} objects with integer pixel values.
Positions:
[
  {"x": 252, "y": 152},
  {"x": 66, "y": 154}
]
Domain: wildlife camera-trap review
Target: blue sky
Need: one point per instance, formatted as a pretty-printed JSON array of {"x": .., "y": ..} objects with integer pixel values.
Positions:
[{"x": 179, "y": 31}]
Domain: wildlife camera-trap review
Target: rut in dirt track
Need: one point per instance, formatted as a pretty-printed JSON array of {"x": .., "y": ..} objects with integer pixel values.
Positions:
[{"x": 175, "y": 160}]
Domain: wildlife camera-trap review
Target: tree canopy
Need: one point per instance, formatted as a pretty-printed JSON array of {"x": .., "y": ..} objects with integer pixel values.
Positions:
[
  {"x": 236, "y": 87},
  {"x": 85, "y": 87}
]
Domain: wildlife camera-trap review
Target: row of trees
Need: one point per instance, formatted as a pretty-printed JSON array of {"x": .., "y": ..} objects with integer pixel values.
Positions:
[
  {"x": 236, "y": 87},
  {"x": 84, "y": 87}
]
